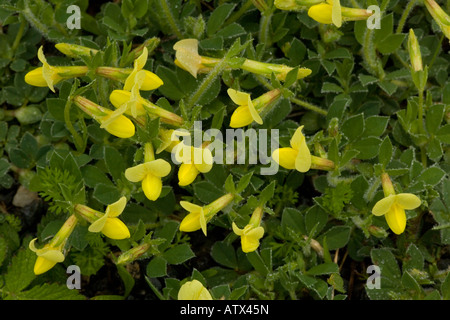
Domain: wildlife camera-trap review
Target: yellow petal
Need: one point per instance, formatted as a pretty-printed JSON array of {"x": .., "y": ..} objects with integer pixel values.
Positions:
[
  {"x": 115, "y": 209},
  {"x": 241, "y": 117},
  {"x": 396, "y": 219},
  {"x": 322, "y": 13},
  {"x": 140, "y": 62},
  {"x": 250, "y": 241},
  {"x": 119, "y": 98},
  {"x": 115, "y": 229},
  {"x": 122, "y": 127},
  {"x": 191, "y": 222},
  {"x": 238, "y": 97},
  {"x": 136, "y": 173},
  {"x": 298, "y": 138},
  {"x": 151, "y": 81},
  {"x": 206, "y": 163},
  {"x": 236, "y": 229},
  {"x": 159, "y": 167},
  {"x": 193, "y": 290},
  {"x": 35, "y": 78},
  {"x": 152, "y": 186},
  {"x": 47, "y": 71},
  {"x": 42, "y": 265},
  {"x": 337, "y": 13},
  {"x": 202, "y": 221},
  {"x": 190, "y": 207},
  {"x": 255, "y": 115},
  {"x": 98, "y": 224},
  {"x": 53, "y": 255},
  {"x": 383, "y": 206},
  {"x": 285, "y": 157},
  {"x": 407, "y": 201},
  {"x": 303, "y": 159},
  {"x": 187, "y": 55},
  {"x": 187, "y": 174}
]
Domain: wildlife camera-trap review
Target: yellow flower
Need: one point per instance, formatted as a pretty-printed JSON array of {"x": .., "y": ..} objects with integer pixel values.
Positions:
[
  {"x": 47, "y": 258},
  {"x": 331, "y": 12},
  {"x": 48, "y": 75},
  {"x": 193, "y": 160},
  {"x": 393, "y": 207},
  {"x": 150, "y": 81},
  {"x": 118, "y": 125},
  {"x": 150, "y": 173},
  {"x": 195, "y": 220},
  {"x": 297, "y": 156},
  {"x": 199, "y": 216},
  {"x": 250, "y": 236},
  {"x": 321, "y": 12},
  {"x": 187, "y": 57},
  {"x": 440, "y": 16},
  {"x": 109, "y": 224},
  {"x": 246, "y": 113},
  {"x": 194, "y": 290},
  {"x": 51, "y": 253}
]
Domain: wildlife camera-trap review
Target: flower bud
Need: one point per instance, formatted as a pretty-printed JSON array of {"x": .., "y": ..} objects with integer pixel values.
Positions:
[{"x": 414, "y": 51}]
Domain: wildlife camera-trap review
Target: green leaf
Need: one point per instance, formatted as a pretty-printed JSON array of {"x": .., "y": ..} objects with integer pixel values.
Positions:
[
  {"x": 218, "y": 17},
  {"x": 293, "y": 219},
  {"x": 178, "y": 254},
  {"x": 434, "y": 117},
  {"x": 20, "y": 273},
  {"x": 432, "y": 175},
  {"x": 206, "y": 191},
  {"x": 390, "y": 271},
  {"x": 353, "y": 127},
  {"x": 324, "y": 268},
  {"x": 367, "y": 147},
  {"x": 157, "y": 267},
  {"x": 337, "y": 237},
  {"x": 114, "y": 162},
  {"x": 385, "y": 154},
  {"x": 52, "y": 291},
  {"x": 223, "y": 253},
  {"x": 445, "y": 288},
  {"x": 127, "y": 279}
]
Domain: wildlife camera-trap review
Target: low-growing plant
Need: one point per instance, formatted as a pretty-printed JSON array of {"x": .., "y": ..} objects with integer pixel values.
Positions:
[{"x": 234, "y": 150}]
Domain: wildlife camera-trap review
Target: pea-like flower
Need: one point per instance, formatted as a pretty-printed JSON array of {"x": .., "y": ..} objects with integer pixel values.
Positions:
[
  {"x": 199, "y": 216},
  {"x": 331, "y": 12},
  {"x": 150, "y": 173},
  {"x": 150, "y": 81},
  {"x": 119, "y": 126},
  {"x": 52, "y": 252},
  {"x": 439, "y": 15},
  {"x": 48, "y": 75},
  {"x": 393, "y": 206},
  {"x": 193, "y": 290},
  {"x": 47, "y": 257},
  {"x": 246, "y": 113},
  {"x": 194, "y": 160},
  {"x": 252, "y": 232},
  {"x": 106, "y": 223},
  {"x": 297, "y": 156},
  {"x": 109, "y": 224}
]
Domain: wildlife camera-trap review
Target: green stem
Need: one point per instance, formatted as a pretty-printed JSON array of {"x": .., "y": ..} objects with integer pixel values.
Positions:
[
  {"x": 405, "y": 15},
  {"x": 18, "y": 36},
  {"x": 149, "y": 154},
  {"x": 264, "y": 23},
  {"x": 309, "y": 106},
  {"x": 33, "y": 20},
  {"x": 206, "y": 83},
  {"x": 76, "y": 137},
  {"x": 170, "y": 18}
]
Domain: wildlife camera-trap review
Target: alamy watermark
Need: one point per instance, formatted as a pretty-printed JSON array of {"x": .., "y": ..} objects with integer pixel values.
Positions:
[{"x": 374, "y": 281}]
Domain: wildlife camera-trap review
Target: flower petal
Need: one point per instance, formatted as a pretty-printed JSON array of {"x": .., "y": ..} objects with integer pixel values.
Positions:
[
  {"x": 187, "y": 174},
  {"x": 407, "y": 201},
  {"x": 193, "y": 290},
  {"x": 255, "y": 115},
  {"x": 136, "y": 173},
  {"x": 238, "y": 97},
  {"x": 98, "y": 224},
  {"x": 285, "y": 157},
  {"x": 53, "y": 255},
  {"x": 322, "y": 13},
  {"x": 383, "y": 206},
  {"x": 47, "y": 71},
  {"x": 152, "y": 186},
  {"x": 206, "y": 163},
  {"x": 115, "y": 229},
  {"x": 396, "y": 219},
  {"x": 203, "y": 222},
  {"x": 297, "y": 139},
  {"x": 191, "y": 222},
  {"x": 115, "y": 209},
  {"x": 42, "y": 265},
  {"x": 159, "y": 167},
  {"x": 190, "y": 207},
  {"x": 187, "y": 55},
  {"x": 35, "y": 78},
  {"x": 236, "y": 229},
  {"x": 241, "y": 117},
  {"x": 303, "y": 159}
]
